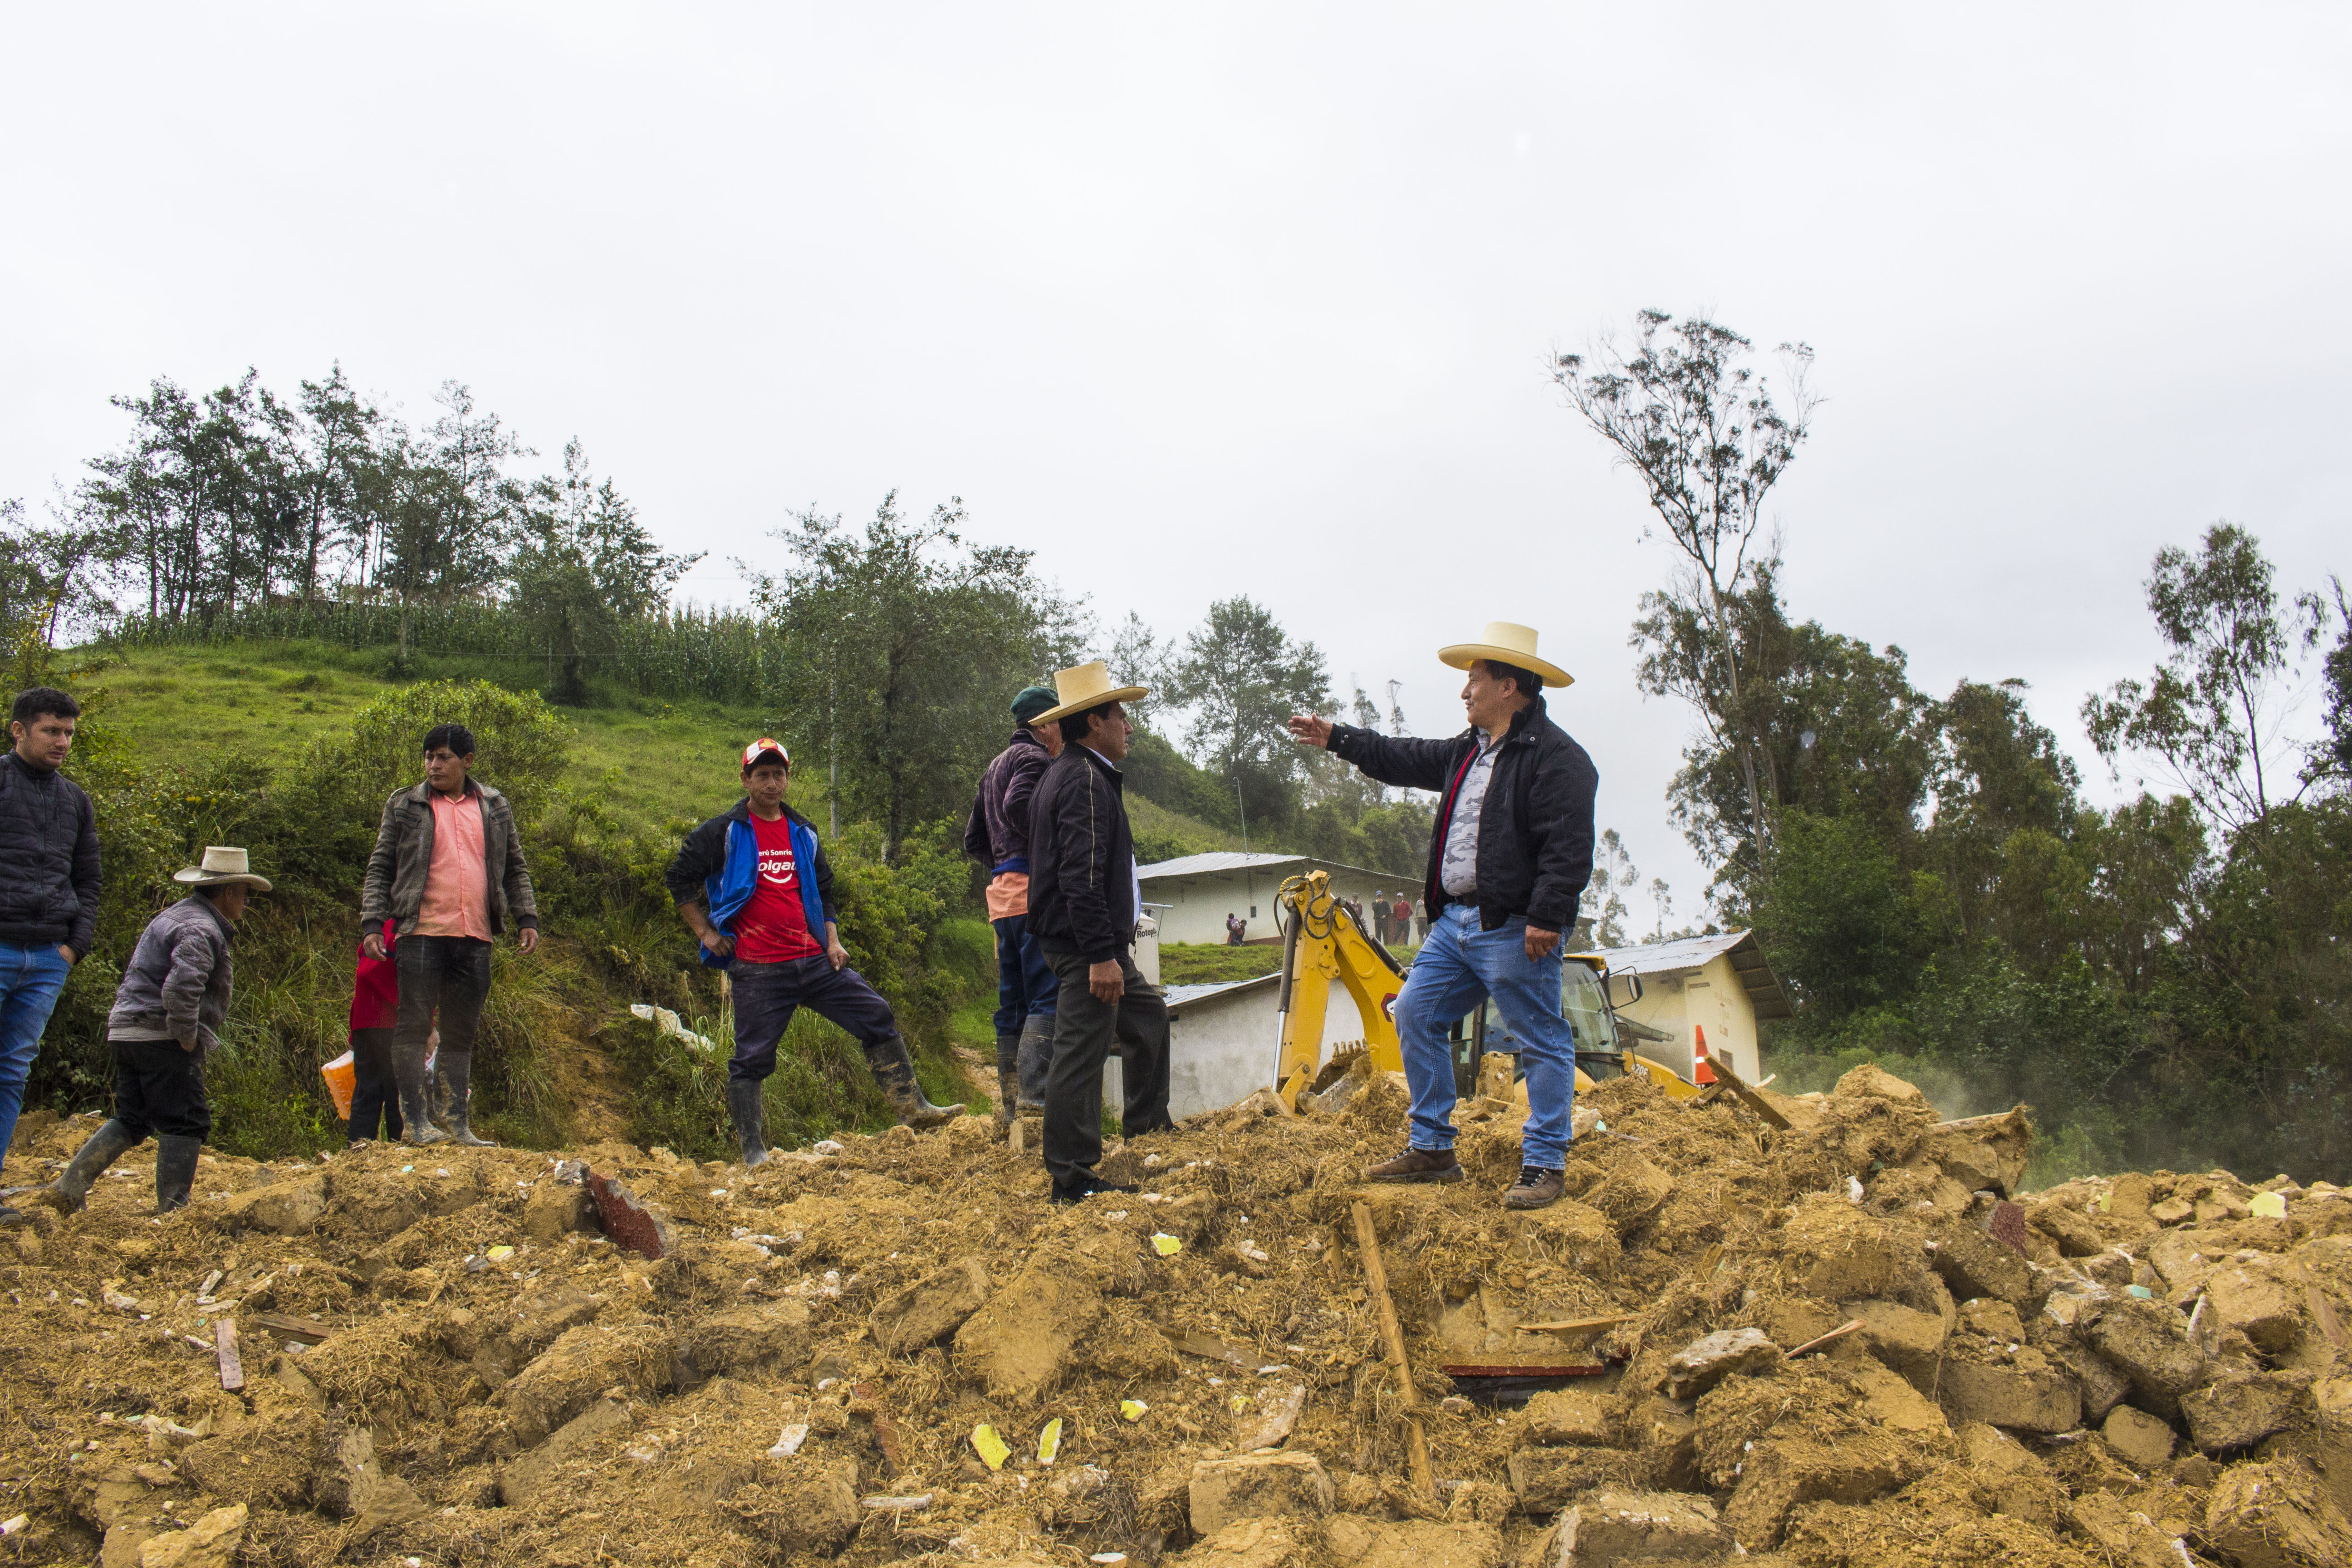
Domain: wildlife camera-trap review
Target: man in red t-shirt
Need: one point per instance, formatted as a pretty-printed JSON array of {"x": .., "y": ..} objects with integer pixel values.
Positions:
[{"x": 752, "y": 884}]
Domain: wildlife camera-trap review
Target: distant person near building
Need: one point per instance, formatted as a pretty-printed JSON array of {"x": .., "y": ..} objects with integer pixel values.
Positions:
[
  {"x": 1420, "y": 918},
  {"x": 997, "y": 836},
  {"x": 1236, "y": 929},
  {"x": 1508, "y": 862},
  {"x": 48, "y": 900},
  {"x": 1400, "y": 919},
  {"x": 167, "y": 1015},
  {"x": 753, "y": 886},
  {"x": 1379, "y": 918}
]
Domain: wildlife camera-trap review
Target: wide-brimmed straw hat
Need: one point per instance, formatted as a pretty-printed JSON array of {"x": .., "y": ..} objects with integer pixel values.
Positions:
[
  {"x": 1510, "y": 645},
  {"x": 1088, "y": 686},
  {"x": 221, "y": 864}
]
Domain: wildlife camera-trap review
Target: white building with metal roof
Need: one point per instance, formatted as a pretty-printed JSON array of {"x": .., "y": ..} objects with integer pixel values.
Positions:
[
  {"x": 1195, "y": 893},
  {"x": 1719, "y": 984}
]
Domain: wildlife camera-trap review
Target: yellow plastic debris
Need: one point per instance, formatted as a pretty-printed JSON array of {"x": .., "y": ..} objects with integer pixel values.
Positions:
[
  {"x": 2269, "y": 1205},
  {"x": 1049, "y": 1441},
  {"x": 1240, "y": 1402},
  {"x": 992, "y": 1449},
  {"x": 496, "y": 1253},
  {"x": 1165, "y": 1245},
  {"x": 1132, "y": 1409}
]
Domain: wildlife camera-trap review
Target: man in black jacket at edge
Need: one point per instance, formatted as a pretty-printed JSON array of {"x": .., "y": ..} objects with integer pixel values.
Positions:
[
  {"x": 1084, "y": 906},
  {"x": 1508, "y": 862}
]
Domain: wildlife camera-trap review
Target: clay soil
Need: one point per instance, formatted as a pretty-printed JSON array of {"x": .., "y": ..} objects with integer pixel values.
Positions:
[{"x": 2009, "y": 1398}]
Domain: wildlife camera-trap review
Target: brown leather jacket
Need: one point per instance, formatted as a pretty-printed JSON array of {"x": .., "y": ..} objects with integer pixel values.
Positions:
[{"x": 403, "y": 850}]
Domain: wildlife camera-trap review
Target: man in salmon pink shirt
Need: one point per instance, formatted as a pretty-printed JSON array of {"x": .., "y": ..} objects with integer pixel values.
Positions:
[
  {"x": 448, "y": 869},
  {"x": 753, "y": 886}
]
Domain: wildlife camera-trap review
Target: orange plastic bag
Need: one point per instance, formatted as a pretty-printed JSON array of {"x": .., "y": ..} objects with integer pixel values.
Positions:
[{"x": 342, "y": 1078}]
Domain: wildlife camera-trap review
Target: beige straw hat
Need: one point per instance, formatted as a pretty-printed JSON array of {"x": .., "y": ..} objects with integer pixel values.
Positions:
[
  {"x": 1086, "y": 686},
  {"x": 221, "y": 864},
  {"x": 1511, "y": 645}
]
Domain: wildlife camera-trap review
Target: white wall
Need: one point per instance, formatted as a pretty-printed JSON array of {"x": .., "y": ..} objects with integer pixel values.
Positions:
[
  {"x": 1711, "y": 997},
  {"x": 1198, "y": 905}
]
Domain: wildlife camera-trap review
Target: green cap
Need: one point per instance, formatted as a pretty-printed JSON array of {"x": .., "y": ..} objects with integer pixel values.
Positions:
[{"x": 1032, "y": 701}]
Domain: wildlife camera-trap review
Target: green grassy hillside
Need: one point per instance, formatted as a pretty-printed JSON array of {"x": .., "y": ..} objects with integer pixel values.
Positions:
[{"x": 674, "y": 760}]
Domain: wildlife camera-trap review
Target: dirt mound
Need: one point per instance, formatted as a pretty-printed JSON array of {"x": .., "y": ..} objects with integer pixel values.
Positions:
[{"x": 860, "y": 1352}]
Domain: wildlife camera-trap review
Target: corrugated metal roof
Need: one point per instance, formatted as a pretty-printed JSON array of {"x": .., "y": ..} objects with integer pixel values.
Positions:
[
  {"x": 1218, "y": 861},
  {"x": 1180, "y": 996},
  {"x": 1685, "y": 954}
]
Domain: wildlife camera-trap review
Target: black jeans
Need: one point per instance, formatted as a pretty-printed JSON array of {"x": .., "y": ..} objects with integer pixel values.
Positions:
[
  {"x": 1086, "y": 1030},
  {"x": 159, "y": 1088},
  {"x": 448, "y": 973},
  {"x": 375, "y": 1096},
  {"x": 768, "y": 994}
]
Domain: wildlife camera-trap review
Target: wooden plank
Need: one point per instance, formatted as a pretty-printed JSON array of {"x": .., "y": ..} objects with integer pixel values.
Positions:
[
  {"x": 232, "y": 1365},
  {"x": 1750, "y": 1097},
  {"x": 1376, "y": 1280},
  {"x": 308, "y": 1331},
  {"x": 1498, "y": 1364},
  {"x": 1578, "y": 1325}
]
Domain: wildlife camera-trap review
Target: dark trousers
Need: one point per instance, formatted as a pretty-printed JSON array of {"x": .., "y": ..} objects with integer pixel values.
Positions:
[
  {"x": 159, "y": 1090},
  {"x": 451, "y": 973},
  {"x": 1086, "y": 1030},
  {"x": 375, "y": 1096},
  {"x": 1025, "y": 982},
  {"x": 768, "y": 994}
]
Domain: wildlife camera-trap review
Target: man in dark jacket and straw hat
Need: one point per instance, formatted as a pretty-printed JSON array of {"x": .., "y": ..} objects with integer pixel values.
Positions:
[
  {"x": 1083, "y": 907},
  {"x": 172, "y": 1002},
  {"x": 1507, "y": 864}
]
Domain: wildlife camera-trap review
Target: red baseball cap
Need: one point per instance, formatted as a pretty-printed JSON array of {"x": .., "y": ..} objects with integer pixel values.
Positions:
[{"x": 761, "y": 749}]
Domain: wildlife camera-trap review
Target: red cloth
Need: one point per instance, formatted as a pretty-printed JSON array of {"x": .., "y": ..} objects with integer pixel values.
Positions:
[
  {"x": 774, "y": 927},
  {"x": 375, "y": 994}
]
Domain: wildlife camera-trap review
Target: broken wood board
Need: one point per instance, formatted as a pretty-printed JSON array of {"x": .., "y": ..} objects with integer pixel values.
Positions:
[
  {"x": 1506, "y": 1364},
  {"x": 310, "y": 1330},
  {"x": 1750, "y": 1097},
  {"x": 232, "y": 1365}
]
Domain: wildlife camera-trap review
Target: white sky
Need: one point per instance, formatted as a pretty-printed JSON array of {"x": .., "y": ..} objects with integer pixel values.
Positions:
[{"x": 1203, "y": 300}]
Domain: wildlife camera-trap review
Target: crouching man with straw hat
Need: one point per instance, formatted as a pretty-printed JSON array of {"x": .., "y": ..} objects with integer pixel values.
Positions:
[
  {"x": 1084, "y": 906},
  {"x": 173, "y": 998},
  {"x": 1508, "y": 862}
]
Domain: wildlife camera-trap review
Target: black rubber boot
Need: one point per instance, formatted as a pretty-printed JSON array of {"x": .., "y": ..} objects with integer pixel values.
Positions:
[
  {"x": 1036, "y": 1060},
  {"x": 69, "y": 1194},
  {"x": 408, "y": 1072},
  {"x": 896, "y": 1073},
  {"x": 1008, "y": 1080},
  {"x": 176, "y": 1171},
  {"x": 751, "y": 1119},
  {"x": 457, "y": 1071}
]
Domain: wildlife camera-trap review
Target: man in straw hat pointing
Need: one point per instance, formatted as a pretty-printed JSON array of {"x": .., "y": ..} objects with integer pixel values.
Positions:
[
  {"x": 1084, "y": 906},
  {"x": 1508, "y": 863},
  {"x": 173, "y": 995}
]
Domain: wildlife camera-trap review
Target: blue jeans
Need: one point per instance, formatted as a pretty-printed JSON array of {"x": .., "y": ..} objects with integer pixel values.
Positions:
[
  {"x": 1026, "y": 985},
  {"x": 1459, "y": 967},
  {"x": 30, "y": 979}
]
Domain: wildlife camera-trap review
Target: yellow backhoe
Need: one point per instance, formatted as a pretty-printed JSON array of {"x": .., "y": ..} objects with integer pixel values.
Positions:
[{"x": 1322, "y": 943}]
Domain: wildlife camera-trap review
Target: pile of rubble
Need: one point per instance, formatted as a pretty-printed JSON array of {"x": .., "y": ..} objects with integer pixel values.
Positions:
[{"x": 1851, "y": 1341}]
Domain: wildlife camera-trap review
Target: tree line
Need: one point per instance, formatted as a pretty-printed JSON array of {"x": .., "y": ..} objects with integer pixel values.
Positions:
[{"x": 2167, "y": 981}]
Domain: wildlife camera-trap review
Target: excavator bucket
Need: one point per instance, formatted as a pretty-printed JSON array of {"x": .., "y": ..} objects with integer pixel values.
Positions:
[{"x": 1322, "y": 945}]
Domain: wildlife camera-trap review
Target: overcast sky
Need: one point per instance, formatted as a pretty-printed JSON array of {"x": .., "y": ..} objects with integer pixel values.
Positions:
[{"x": 1196, "y": 300}]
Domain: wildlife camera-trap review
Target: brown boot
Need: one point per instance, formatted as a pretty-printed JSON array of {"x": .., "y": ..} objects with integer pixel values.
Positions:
[
  {"x": 1536, "y": 1188},
  {"x": 1417, "y": 1165}
]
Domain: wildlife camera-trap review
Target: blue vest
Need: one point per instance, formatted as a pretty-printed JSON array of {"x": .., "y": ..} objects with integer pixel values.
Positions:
[{"x": 730, "y": 889}]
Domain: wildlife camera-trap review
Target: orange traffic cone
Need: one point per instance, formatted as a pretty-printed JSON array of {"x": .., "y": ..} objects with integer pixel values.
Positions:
[{"x": 1702, "y": 1070}]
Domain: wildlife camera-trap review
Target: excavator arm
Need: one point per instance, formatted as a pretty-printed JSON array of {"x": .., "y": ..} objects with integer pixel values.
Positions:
[{"x": 1322, "y": 944}]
